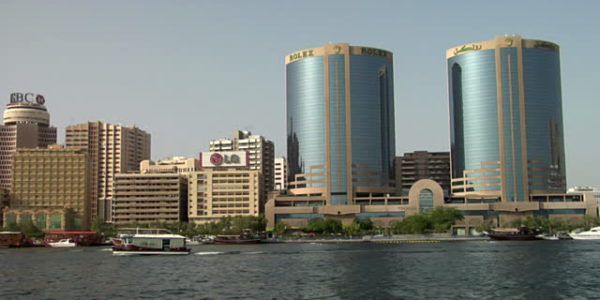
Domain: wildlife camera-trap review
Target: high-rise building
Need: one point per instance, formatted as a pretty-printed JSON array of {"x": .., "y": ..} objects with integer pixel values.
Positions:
[
  {"x": 506, "y": 119},
  {"x": 280, "y": 177},
  {"x": 261, "y": 154},
  {"x": 340, "y": 122},
  {"x": 414, "y": 166},
  {"x": 51, "y": 179},
  {"x": 26, "y": 125},
  {"x": 112, "y": 149}
]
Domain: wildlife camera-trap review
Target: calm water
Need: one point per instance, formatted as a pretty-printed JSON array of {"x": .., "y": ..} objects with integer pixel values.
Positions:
[{"x": 450, "y": 270}]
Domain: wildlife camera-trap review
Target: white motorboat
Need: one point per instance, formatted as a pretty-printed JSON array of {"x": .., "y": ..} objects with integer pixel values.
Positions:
[
  {"x": 65, "y": 243},
  {"x": 592, "y": 234},
  {"x": 549, "y": 236}
]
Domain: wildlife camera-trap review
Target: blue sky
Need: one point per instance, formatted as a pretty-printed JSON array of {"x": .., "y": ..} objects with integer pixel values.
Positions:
[{"x": 191, "y": 71}]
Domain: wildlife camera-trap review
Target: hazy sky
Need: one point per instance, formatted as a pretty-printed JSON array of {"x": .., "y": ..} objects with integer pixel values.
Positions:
[{"x": 191, "y": 71}]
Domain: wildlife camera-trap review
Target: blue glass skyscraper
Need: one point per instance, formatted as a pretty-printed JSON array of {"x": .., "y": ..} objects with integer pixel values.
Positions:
[
  {"x": 506, "y": 119},
  {"x": 340, "y": 122}
]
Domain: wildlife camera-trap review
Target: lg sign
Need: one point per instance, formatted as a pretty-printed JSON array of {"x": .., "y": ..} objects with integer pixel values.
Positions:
[
  {"x": 27, "y": 98},
  {"x": 217, "y": 159},
  {"x": 224, "y": 159}
]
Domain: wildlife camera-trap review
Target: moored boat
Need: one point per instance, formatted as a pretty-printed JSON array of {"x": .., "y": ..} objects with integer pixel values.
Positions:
[
  {"x": 592, "y": 234},
  {"x": 515, "y": 234},
  {"x": 549, "y": 236},
  {"x": 150, "y": 242},
  {"x": 13, "y": 239},
  {"x": 65, "y": 243},
  {"x": 238, "y": 239}
]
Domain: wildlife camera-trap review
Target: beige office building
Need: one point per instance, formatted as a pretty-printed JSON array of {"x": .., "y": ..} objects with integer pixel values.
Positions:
[
  {"x": 26, "y": 125},
  {"x": 51, "y": 179},
  {"x": 216, "y": 193},
  {"x": 261, "y": 154},
  {"x": 112, "y": 149},
  {"x": 149, "y": 198}
]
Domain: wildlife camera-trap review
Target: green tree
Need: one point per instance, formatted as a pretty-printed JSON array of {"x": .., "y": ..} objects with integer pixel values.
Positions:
[
  {"x": 437, "y": 220},
  {"x": 442, "y": 218},
  {"x": 351, "y": 229},
  {"x": 364, "y": 224},
  {"x": 415, "y": 224},
  {"x": 30, "y": 230},
  {"x": 333, "y": 226},
  {"x": 280, "y": 228},
  {"x": 316, "y": 225}
]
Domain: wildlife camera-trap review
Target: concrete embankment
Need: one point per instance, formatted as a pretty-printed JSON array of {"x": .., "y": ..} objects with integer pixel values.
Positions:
[{"x": 394, "y": 239}]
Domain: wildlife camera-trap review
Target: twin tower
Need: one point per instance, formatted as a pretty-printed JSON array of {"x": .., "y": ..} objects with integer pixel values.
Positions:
[{"x": 505, "y": 121}]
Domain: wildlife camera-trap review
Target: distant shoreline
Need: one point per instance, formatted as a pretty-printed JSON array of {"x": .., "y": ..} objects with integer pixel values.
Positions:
[{"x": 404, "y": 239}]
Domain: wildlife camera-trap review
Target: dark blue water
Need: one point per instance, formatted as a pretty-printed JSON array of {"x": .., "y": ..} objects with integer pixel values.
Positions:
[{"x": 450, "y": 270}]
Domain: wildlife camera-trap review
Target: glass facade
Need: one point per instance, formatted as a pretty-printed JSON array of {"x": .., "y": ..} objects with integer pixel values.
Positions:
[
  {"x": 545, "y": 147},
  {"x": 348, "y": 98},
  {"x": 506, "y": 119},
  {"x": 474, "y": 116},
  {"x": 305, "y": 115}
]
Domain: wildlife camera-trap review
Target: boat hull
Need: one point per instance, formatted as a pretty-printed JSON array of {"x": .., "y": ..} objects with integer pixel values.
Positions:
[
  {"x": 585, "y": 237},
  {"x": 63, "y": 246},
  {"x": 147, "y": 252},
  {"x": 501, "y": 237}
]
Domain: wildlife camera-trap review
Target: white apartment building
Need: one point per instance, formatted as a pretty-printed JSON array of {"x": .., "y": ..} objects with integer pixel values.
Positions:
[{"x": 280, "y": 174}]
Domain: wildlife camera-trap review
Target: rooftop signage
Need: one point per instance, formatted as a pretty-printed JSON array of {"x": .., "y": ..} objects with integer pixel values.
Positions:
[
  {"x": 464, "y": 48},
  {"x": 301, "y": 54},
  {"x": 546, "y": 45},
  {"x": 373, "y": 52},
  {"x": 224, "y": 159},
  {"x": 27, "y": 98}
]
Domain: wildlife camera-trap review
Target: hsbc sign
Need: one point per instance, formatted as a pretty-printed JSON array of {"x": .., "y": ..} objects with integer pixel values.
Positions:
[
  {"x": 27, "y": 98},
  {"x": 224, "y": 159}
]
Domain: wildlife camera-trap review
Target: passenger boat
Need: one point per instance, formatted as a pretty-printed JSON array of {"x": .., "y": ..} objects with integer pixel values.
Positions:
[
  {"x": 515, "y": 234},
  {"x": 150, "y": 242},
  {"x": 592, "y": 234},
  {"x": 66, "y": 243},
  {"x": 238, "y": 239}
]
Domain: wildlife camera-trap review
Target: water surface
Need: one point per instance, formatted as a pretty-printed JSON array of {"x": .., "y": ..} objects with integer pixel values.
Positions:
[{"x": 447, "y": 270}]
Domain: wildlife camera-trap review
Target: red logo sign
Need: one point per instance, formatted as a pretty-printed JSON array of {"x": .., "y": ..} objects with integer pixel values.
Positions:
[
  {"x": 40, "y": 99},
  {"x": 216, "y": 159}
]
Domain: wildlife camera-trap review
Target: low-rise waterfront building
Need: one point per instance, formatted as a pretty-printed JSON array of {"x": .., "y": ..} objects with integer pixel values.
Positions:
[{"x": 423, "y": 196}]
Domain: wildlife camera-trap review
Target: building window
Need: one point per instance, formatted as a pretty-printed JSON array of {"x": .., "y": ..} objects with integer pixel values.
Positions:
[{"x": 425, "y": 200}]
